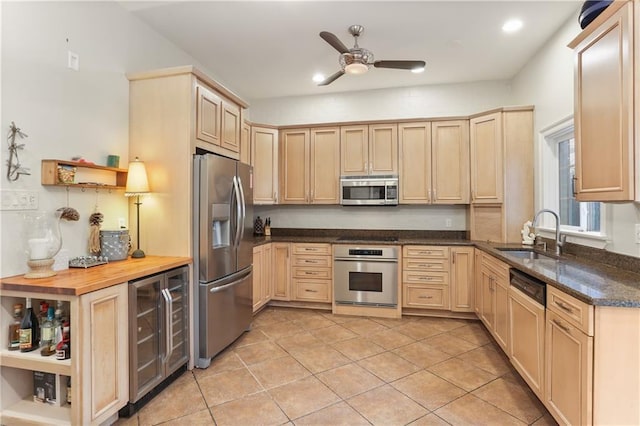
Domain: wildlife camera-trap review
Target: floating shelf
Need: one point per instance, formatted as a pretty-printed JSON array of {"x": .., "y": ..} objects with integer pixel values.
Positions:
[{"x": 50, "y": 174}]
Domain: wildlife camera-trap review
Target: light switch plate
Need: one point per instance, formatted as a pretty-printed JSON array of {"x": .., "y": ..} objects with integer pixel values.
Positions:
[{"x": 19, "y": 199}]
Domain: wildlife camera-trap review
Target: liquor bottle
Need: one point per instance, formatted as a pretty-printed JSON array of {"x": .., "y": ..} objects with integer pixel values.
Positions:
[
  {"x": 63, "y": 349},
  {"x": 47, "y": 335},
  {"x": 29, "y": 330},
  {"x": 14, "y": 328},
  {"x": 44, "y": 308},
  {"x": 59, "y": 317}
]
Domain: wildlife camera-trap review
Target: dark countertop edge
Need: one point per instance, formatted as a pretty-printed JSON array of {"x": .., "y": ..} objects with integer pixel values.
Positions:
[{"x": 490, "y": 248}]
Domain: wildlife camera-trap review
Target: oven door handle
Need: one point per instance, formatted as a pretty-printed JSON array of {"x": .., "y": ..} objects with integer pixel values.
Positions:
[{"x": 364, "y": 259}]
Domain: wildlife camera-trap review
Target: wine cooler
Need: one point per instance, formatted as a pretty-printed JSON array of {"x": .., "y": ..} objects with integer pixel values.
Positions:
[{"x": 158, "y": 334}]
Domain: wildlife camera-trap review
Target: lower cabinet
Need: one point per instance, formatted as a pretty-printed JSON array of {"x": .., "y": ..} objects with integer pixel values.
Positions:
[
  {"x": 281, "y": 259},
  {"x": 425, "y": 277},
  {"x": 311, "y": 273},
  {"x": 462, "y": 274},
  {"x": 493, "y": 286},
  {"x": 262, "y": 276}
]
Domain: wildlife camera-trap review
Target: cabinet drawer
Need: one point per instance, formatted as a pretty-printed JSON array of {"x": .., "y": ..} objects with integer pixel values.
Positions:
[
  {"x": 426, "y": 264},
  {"x": 317, "y": 261},
  {"x": 572, "y": 310},
  {"x": 419, "y": 277},
  {"x": 323, "y": 249},
  {"x": 425, "y": 296},
  {"x": 426, "y": 251},
  {"x": 311, "y": 272},
  {"x": 312, "y": 290},
  {"x": 495, "y": 267}
]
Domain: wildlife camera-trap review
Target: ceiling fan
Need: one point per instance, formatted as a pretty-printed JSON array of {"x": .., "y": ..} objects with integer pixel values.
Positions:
[{"x": 357, "y": 60}]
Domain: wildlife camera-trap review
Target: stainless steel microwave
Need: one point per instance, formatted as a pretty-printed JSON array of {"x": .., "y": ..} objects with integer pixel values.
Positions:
[{"x": 369, "y": 190}]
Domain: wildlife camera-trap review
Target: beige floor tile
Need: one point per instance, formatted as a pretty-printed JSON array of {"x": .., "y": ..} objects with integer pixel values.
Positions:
[
  {"x": 227, "y": 386},
  {"x": 364, "y": 327},
  {"x": 444, "y": 324},
  {"x": 266, "y": 317},
  {"x": 390, "y": 339},
  {"x": 386, "y": 406},
  {"x": 259, "y": 352},
  {"x": 281, "y": 329},
  {"x": 470, "y": 410},
  {"x": 180, "y": 398},
  {"x": 358, "y": 348},
  {"x": 254, "y": 335},
  {"x": 514, "y": 399},
  {"x": 341, "y": 319},
  {"x": 225, "y": 361},
  {"x": 462, "y": 374},
  {"x": 429, "y": 420},
  {"x": 418, "y": 331},
  {"x": 388, "y": 366},
  {"x": 349, "y": 380},
  {"x": 334, "y": 415},
  {"x": 303, "y": 397},
  {"x": 333, "y": 334},
  {"x": 202, "y": 417},
  {"x": 546, "y": 420},
  {"x": 279, "y": 371},
  {"x": 488, "y": 358},
  {"x": 313, "y": 322},
  {"x": 428, "y": 390},
  {"x": 393, "y": 322},
  {"x": 474, "y": 333},
  {"x": 257, "y": 409},
  {"x": 421, "y": 354},
  {"x": 295, "y": 314},
  {"x": 450, "y": 344},
  {"x": 300, "y": 341},
  {"x": 320, "y": 359},
  {"x": 127, "y": 421}
]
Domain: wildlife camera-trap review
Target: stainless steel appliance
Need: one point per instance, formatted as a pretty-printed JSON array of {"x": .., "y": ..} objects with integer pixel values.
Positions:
[
  {"x": 223, "y": 240},
  {"x": 158, "y": 334},
  {"x": 530, "y": 286},
  {"x": 369, "y": 191},
  {"x": 366, "y": 275}
]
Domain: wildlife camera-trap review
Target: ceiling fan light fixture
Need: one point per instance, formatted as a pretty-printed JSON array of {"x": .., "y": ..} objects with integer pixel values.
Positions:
[
  {"x": 356, "y": 68},
  {"x": 417, "y": 70},
  {"x": 318, "y": 78}
]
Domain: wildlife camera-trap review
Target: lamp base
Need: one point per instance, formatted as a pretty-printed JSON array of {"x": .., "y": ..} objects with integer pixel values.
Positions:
[
  {"x": 40, "y": 268},
  {"x": 137, "y": 254}
]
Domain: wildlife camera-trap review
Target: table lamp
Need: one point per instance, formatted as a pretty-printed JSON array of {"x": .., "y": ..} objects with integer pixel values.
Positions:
[{"x": 137, "y": 185}]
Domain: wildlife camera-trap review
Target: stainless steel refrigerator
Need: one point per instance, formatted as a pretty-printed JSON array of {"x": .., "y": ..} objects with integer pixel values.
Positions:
[{"x": 223, "y": 228}]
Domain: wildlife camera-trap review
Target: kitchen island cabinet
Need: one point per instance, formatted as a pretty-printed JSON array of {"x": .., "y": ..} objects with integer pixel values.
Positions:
[{"x": 96, "y": 301}]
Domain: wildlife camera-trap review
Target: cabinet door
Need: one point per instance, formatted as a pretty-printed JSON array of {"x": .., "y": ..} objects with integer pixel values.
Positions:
[
  {"x": 208, "y": 107},
  {"x": 267, "y": 281},
  {"x": 354, "y": 148},
  {"x": 568, "y": 379},
  {"x": 450, "y": 162},
  {"x": 383, "y": 149},
  {"x": 264, "y": 154},
  {"x": 414, "y": 144},
  {"x": 294, "y": 166},
  {"x": 487, "y": 172},
  {"x": 604, "y": 111},
  {"x": 105, "y": 377},
  {"x": 258, "y": 268},
  {"x": 526, "y": 339},
  {"x": 178, "y": 322},
  {"x": 245, "y": 143},
  {"x": 230, "y": 134},
  {"x": 462, "y": 294},
  {"x": 325, "y": 166},
  {"x": 477, "y": 282},
  {"x": 487, "y": 310},
  {"x": 501, "y": 328},
  {"x": 281, "y": 271}
]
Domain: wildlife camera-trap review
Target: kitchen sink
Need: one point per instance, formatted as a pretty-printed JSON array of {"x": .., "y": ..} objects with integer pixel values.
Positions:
[{"x": 526, "y": 254}]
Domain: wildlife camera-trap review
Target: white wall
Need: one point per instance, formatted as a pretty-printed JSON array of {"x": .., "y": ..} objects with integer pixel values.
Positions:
[
  {"x": 547, "y": 82},
  {"x": 68, "y": 113}
]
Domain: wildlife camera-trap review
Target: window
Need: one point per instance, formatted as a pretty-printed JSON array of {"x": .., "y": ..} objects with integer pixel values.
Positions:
[{"x": 556, "y": 180}]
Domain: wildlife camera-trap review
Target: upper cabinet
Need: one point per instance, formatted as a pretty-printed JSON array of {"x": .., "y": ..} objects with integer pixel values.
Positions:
[
  {"x": 486, "y": 158},
  {"x": 434, "y": 162},
  {"x": 218, "y": 122},
  {"x": 264, "y": 156},
  {"x": 245, "y": 143},
  {"x": 606, "y": 105},
  {"x": 369, "y": 150}
]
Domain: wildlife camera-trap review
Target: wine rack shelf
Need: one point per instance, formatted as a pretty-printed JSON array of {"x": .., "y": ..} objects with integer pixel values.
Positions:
[{"x": 35, "y": 361}]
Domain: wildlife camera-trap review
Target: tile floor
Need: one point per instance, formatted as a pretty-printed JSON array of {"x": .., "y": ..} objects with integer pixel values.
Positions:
[{"x": 305, "y": 367}]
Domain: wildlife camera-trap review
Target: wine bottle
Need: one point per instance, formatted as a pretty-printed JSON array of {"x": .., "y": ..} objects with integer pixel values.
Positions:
[
  {"x": 47, "y": 334},
  {"x": 29, "y": 330},
  {"x": 14, "y": 328}
]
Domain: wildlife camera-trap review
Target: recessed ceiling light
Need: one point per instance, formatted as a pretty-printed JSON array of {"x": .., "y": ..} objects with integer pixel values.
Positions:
[
  {"x": 417, "y": 70},
  {"x": 318, "y": 77},
  {"x": 512, "y": 25}
]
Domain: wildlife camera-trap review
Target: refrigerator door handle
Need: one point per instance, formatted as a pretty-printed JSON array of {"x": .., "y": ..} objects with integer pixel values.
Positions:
[
  {"x": 168, "y": 323},
  {"x": 244, "y": 210},
  {"x": 226, "y": 286},
  {"x": 239, "y": 223}
]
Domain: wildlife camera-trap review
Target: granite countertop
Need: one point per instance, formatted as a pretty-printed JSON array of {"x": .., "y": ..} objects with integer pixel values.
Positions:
[{"x": 590, "y": 281}]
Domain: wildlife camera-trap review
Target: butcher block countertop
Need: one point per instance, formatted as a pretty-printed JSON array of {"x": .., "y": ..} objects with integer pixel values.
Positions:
[{"x": 79, "y": 281}]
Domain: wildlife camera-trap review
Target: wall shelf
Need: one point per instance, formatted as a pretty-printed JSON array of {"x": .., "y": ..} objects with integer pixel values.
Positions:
[{"x": 50, "y": 174}]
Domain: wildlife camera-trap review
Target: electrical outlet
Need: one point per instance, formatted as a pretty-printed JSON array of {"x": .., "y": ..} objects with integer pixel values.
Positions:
[
  {"x": 447, "y": 223},
  {"x": 637, "y": 233},
  {"x": 121, "y": 223},
  {"x": 73, "y": 60}
]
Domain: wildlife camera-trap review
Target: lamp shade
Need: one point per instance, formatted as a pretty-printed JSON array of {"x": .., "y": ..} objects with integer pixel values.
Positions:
[{"x": 137, "y": 182}]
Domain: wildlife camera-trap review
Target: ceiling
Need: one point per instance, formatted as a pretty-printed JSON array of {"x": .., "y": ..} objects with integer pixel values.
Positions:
[{"x": 265, "y": 49}]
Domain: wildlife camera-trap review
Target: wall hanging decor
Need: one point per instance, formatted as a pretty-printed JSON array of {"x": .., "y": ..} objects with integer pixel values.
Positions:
[{"x": 14, "y": 168}]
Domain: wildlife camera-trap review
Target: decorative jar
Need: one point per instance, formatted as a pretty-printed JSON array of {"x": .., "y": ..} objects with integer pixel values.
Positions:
[{"x": 42, "y": 241}]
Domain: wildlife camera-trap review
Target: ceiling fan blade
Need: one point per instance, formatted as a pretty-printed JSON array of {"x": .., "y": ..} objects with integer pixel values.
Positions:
[
  {"x": 331, "y": 78},
  {"x": 334, "y": 41},
  {"x": 400, "y": 65}
]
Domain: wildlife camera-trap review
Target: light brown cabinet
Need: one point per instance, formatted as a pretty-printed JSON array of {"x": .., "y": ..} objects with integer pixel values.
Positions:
[
  {"x": 494, "y": 299},
  {"x": 501, "y": 174},
  {"x": 310, "y": 166},
  {"x": 462, "y": 277},
  {"x": 311, "y": 272},
  {"x": 245, "y": 143},
  {"x": 369, "y": 150},
  {"x": 262, "y": 276},
  {"x": 281, "y": 255},
  {"x": 606, "y": 105},
  {"x": 434, "y": 162},
  {"x": 218, "y": 121},
  {"x": 264, "y": 157},
  {"x": 425, "y": 277}
]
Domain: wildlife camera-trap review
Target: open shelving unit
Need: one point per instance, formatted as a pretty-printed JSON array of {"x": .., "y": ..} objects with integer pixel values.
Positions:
[{"x": 50, "y": 174}]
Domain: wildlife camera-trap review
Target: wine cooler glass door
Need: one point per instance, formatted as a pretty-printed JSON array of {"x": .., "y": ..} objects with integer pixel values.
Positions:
[{"x": 177, "y": 308}]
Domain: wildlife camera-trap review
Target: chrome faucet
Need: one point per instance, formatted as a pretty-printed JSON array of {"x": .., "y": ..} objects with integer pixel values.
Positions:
[{"x": 559, "y": 240}]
